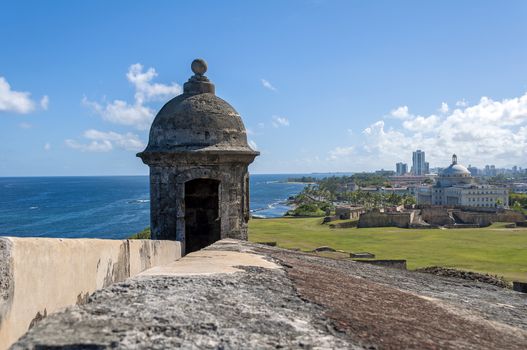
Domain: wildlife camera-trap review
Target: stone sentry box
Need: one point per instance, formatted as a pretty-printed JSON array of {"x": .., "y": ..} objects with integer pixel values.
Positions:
[{"x": 198, "y": 157}]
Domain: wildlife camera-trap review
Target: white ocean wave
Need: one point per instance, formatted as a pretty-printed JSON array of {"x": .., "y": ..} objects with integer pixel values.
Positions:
[{"x": 139, "y": 201}]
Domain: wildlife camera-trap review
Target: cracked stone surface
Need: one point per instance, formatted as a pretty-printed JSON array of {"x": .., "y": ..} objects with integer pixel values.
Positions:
[
  {"x": 253, "y": 309},
  {"x": 309, "y": 303}
]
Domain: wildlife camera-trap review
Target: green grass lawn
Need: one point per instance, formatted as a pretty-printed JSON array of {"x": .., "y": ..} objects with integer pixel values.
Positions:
[{"x": 495, "y": 249}]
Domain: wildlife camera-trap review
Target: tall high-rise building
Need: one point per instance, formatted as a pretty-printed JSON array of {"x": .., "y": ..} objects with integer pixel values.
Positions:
[
  {"x": 490, "y": 170},
  {"x": 401, "y": 169},
  {"x": 419, "y": 163}
]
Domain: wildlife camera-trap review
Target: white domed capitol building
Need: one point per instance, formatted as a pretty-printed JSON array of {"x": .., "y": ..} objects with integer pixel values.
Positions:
[{"x": 455, "y": 186}]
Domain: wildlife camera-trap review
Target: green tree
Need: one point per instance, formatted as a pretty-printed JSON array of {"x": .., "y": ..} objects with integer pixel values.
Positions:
[{"x": 408, "y": 199}]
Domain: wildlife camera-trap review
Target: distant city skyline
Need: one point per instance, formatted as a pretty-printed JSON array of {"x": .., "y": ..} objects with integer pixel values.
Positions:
[
  {"x": 421, "y": 167},
  {"x": 322, "y": 86}
]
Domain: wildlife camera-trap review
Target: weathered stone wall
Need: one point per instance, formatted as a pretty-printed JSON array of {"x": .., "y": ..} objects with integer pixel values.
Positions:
[
  {"x": 437, "y": 216},
  {"x": 6, "y": 287},
  {"x": 238, "y": 295},
  {"x": 343, "y": 213},
  {"x": 167, "y": 192},
  {"x": 347, "y": 213},
  {"x": 481, "y": 219},
  {"x": 485, "y": 219},
  {"x": 510, "y": 216},
  {"x": 447, "y": 216},
  {"x": 444, "y": 216},
  {"x": 377, "y": 219},
  {"x": 41, "y": 275}
]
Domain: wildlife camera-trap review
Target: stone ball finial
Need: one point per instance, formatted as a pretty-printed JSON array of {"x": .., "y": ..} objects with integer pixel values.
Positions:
[{"x": 199, "y": 66}]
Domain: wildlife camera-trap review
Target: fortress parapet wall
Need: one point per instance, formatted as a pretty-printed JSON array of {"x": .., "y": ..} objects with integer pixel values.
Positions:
[
  {"x": 378, "y": 219},
  {"x": 437, "y": 215},
  {"x": 445, "y": 216},
  {"x": 485, "y": 219},
  {"x": 39, "y": 276}
]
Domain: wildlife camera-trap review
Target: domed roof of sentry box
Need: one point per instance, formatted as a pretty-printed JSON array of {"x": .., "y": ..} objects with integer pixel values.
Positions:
[{"x": 197, "y": 121}]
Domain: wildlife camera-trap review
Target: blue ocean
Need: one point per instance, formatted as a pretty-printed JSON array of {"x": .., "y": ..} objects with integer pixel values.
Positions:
[{"x": 106, "y": 207}]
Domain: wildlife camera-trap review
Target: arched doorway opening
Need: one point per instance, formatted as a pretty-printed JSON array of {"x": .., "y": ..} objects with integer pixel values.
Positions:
[{"x": 202, "y": 219}]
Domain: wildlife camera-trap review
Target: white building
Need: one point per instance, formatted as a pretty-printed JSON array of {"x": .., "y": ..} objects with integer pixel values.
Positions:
[
  {"x": 519, "y": 187},
  {"x": 455, "y": 186}
]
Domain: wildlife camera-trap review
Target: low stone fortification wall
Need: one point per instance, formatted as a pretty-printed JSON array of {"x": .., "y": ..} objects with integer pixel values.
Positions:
[
  {"x": 481, "y": 219},
  {"x": 485, "y": 219},
  {"x": 437, "y": 216},
  {"x": 376, "y": 219},
  {"x": 510, "y": 216},
  {"x": 444, "y": 216},
  {"x": 39, "y": 276}
]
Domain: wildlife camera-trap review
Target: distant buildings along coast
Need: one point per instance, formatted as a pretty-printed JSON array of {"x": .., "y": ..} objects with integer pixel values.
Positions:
[{"x": 455, "y": 186}]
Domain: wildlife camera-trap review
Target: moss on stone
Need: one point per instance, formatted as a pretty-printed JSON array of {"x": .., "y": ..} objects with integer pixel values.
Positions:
[{"x": 145, "y": 234}]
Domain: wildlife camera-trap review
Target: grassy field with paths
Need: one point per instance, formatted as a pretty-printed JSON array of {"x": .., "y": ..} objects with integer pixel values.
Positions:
[{"x": 495, "y": 249}]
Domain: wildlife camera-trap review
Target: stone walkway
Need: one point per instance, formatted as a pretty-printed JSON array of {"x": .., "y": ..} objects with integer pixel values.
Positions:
[{"x": 235, "y": 295}]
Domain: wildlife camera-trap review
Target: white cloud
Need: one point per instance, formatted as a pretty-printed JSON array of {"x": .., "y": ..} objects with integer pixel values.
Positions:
[
  {"x": 415, "y": 122},
  {"x": 94, "y": 146},
  {"x": 120, "y": 112},
  {"x": 25, "y": 125},
  {"x": 136, "y": 114},
  {"x": 14, "y": 101},
  {"x": 100, "y": 141},
  {"x": 44, "y": 102},
  {"x": 128, "y": 141},
  {"x": 279, "y": 121},
  {"x": 489, "y": 132},
  {"x": 350, "y": 132},
  {"x": 145, "y": 89},
  {"x": 47, "y": 146},
  {"x": 253, "y": 145},
  {"x": 462, "y": 103},
  {"x": 266, "y": 84},
  {"x": 400, "y": 112},
  {"x": 373, "y": 128},
  {"x": 421, "y": 124},
  {"x": 444, "y": 108},
  {"x": 341, "y": 152}
]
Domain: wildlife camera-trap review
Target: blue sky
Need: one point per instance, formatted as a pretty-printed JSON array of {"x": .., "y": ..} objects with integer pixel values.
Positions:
[{"x": 321, "y": 85}]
